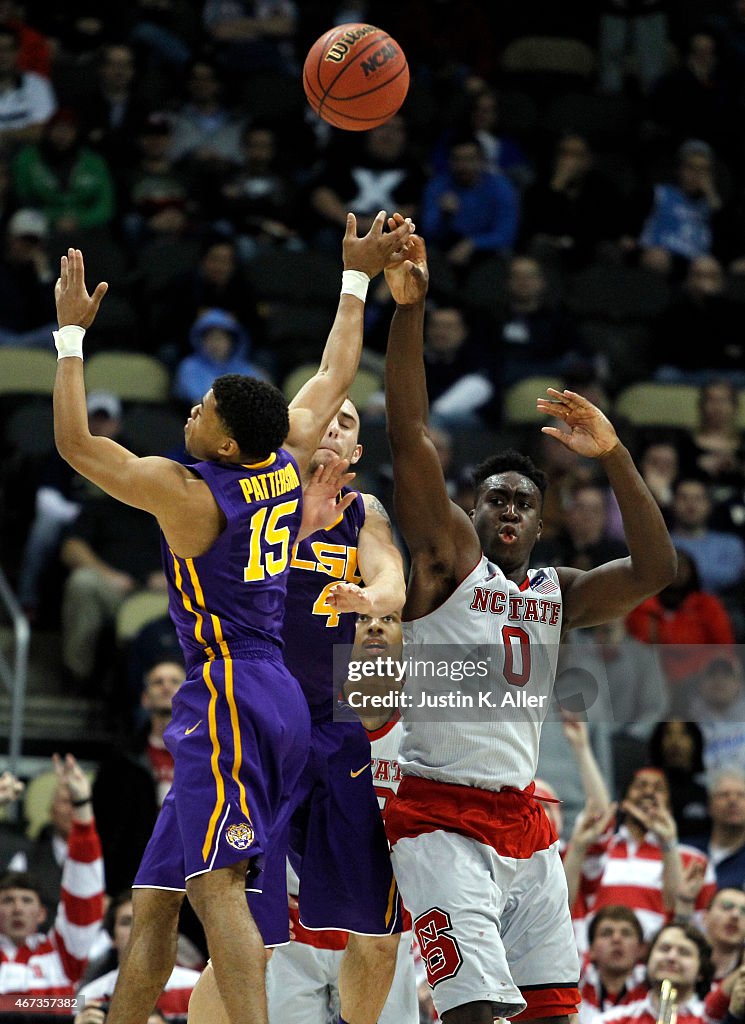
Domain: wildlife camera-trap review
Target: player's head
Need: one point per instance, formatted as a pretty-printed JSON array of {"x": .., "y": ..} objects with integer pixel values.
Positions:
[
  {"x": 21, "y": 910},
  {"x": 509, "y": 500},
  {"x": 680, "y": 953},
  {"x": 377, "y": 636},
  {"x": 240, "y": 419},
  {"x": 616, "y": 938},
  {"x": 340, "y": 437}
]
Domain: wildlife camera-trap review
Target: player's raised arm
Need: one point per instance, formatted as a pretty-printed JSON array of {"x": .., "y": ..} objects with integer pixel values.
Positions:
[
  {"x": 613, "y": 589},
  {"x": 316, "y": 404},
  {"x": 150, "y": 483},
  {"x": 438, "y": 533},
  {"x": 381, "y": 567}
]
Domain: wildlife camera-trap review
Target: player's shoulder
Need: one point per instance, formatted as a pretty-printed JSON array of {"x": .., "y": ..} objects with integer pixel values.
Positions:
[{"x": 373, "y": 505}]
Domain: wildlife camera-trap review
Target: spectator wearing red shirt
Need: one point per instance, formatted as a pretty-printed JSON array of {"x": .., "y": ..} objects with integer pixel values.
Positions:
[
  {"x": 681, "y": 617},
  {"x": 680, "y": 954},
  {"x": 611, "y": 974}
]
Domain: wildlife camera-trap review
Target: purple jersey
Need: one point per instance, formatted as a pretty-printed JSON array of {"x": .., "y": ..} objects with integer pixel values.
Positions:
[
  {"x": 311, "y": 627},
  {"x": 236, "y": 590}
]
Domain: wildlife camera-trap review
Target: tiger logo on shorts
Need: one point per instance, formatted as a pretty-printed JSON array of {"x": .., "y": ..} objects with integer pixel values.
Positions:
[{"x": 240, "y": 836}]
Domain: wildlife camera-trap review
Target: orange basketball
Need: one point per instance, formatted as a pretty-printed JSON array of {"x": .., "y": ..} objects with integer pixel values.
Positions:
[{"x": 355, "y": 77}]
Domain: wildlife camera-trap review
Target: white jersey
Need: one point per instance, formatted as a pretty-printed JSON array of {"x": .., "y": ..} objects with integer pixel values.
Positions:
[
  {"x": 385, "y": 744},
  {"x": 489, "y": 737}
]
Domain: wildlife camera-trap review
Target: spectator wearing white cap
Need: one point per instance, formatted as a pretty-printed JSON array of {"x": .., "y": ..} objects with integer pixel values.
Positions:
[
  {"x": 27, "y": 314},
  {"x": 57, "y": 502}
]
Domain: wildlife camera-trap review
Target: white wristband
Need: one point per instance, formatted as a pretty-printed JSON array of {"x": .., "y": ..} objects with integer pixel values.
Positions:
[
  {"x": 69, "y": 341},
  {"x": 355, "y": 282}
]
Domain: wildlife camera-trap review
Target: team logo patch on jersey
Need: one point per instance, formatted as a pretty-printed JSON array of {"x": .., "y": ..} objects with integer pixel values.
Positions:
[
  {"x": 543, "y": 583},
  {"x": 240, "y": 836}
]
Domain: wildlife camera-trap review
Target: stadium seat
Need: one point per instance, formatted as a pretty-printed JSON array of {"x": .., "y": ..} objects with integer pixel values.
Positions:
[
  {"x": 603, "y": 120},
  {"x": 36, "y": 800},
  {"x": 29, "y": 429},
  {"x": 136, "y": 611},
  {"x": 663, "y": 405},
  {"x": 133, "y": 376},
  {"x": 153, "y": 429},
  {"x": 366, "y": 384},
  {"x": 549, "y": 53},
  {"x": 520, "y": 399},
  {"x": 28, "y": 371},
  {"x": 296, "y": 276},
  {"x": 617, "y": 293}
]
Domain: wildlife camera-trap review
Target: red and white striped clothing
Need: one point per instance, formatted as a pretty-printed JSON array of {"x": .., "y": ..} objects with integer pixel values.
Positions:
[
  {"x": 618, "y": 870},
  {"x": 173, "y": 1001},
  {"x": 52, "y": 964},
  {"x": 596, "y": 1000},
  {"x": 643, "y": 1012}
]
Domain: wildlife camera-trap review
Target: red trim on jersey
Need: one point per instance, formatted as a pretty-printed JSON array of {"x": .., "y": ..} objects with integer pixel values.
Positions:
[
  {"x": 548, "y": 1002},
  {"x": 525, "y": 585},
  {"x": 511, "y": 821},
  {"x": 321, "y": 938},
  {"x": 446, "y": 599},
  {"x": 383, "y": 730}
]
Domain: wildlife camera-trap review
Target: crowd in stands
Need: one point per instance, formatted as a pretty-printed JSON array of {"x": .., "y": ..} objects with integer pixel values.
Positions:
[{"x": 584, "y": 222}]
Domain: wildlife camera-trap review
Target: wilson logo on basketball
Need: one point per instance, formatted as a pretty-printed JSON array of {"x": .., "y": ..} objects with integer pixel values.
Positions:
[
  {"x": 378, "y": 59},
  {"x": 342, "y": 46},
  {"x": 240, "y": 836}
]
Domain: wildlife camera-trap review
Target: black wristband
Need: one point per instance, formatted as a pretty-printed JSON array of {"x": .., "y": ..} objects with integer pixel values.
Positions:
[{"x": 81, "y": 803}]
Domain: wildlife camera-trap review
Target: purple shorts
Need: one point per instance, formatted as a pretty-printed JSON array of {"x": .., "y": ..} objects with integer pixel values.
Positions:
[
  {"x": 337, "y": 845},
  {"x": 239, "y": 737}
]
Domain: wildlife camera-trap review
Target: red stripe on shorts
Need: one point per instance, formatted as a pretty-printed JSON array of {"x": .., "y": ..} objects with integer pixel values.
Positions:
[
  {"x": 549, "y": 1002},
  {"x": 511, "y": 821}
]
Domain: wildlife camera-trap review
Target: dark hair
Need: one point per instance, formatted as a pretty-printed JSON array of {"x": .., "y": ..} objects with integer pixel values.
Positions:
[
  {"x": 615, "y": 912},
  {"x": 705, "y": 966},
  {"x": 118, "y": 901},
  {"x": 656, "y": 756},
  {"x": 255, "y": 413},
  {"x": 510, "y": 461},
  {"x": 19, "y": 880},
  {"x": 725, "y": 888}
]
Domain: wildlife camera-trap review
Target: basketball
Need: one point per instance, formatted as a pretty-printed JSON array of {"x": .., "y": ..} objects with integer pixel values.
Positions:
[{"x": 355, "y": 77}]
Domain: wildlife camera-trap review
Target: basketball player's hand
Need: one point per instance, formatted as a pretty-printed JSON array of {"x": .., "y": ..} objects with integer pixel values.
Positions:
[
  {"x": 376, "y": 249},
  {"x": 74, "y": 304},
  {"x": 10, "y": 788},
  {"x": 348, "y": 597},
  {"x": 590, "y": 433},
  {"x": 320, "y": 507},
  {"x": 408, "y": 280},
  {"x": 575, "y": 731}
]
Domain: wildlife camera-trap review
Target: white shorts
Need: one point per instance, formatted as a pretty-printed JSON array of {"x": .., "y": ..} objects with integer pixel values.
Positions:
[
  {"x": 302, "y": 985},
  {"x": 489, "y": 925}
]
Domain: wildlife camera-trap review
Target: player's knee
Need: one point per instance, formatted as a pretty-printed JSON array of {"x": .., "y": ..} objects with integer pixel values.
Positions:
[
  {"x": 156, "y": 911},
  {"x": 374, "y": 948}
]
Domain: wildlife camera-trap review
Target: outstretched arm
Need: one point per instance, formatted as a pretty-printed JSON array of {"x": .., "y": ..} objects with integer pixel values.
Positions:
[
  {"x": 316, "y": 404},
  {"x": 442, "y": 542},
  {"x": 381, "y": 568},
  {"x": 613, "y": 589},
  {"x": 153, "y": 484}
]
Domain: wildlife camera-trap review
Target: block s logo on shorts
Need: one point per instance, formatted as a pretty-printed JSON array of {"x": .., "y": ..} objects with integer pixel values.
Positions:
[
  {"x": 440, "y": 951},
  {"x": 240, "y": 836}
]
